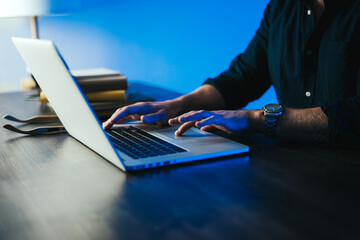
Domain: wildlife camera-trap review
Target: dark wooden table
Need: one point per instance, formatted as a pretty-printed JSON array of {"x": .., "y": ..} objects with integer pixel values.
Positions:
[{"x": 53, "y": 187}]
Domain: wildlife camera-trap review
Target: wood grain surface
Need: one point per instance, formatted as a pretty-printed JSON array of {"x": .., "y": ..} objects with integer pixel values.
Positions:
[{"x": 53, "y": 187}]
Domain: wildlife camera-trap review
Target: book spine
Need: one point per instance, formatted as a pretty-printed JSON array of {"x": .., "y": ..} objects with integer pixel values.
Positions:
[
  {"x": 114, "y": 95},
  {"x": 95, "y": 85},
  {"x": 80, "y": 78}
]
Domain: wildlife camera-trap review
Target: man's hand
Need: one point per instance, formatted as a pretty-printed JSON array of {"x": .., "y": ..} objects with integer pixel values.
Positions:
[
  {"x": 300, "y": 125},
  {"x": 234, "y": 122},
  {"x": 206, "y": 96},
  {"x": 147, "y": 112}
]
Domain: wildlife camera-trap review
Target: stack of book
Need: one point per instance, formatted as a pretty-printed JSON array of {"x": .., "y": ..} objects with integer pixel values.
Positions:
[
  {"x": 101, "y": 86},
  {"x": 105, "y": 89}
]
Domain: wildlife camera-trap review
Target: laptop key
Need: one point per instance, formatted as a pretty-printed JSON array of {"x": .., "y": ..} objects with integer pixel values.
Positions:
[{"x": 137, "y": 143}]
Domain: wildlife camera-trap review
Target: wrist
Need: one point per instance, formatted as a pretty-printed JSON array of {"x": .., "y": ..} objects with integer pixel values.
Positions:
[
  {"x": 175, "y": 107},
  {"x": 256, "y": 119},
  {"x": 186, "y": 103}
]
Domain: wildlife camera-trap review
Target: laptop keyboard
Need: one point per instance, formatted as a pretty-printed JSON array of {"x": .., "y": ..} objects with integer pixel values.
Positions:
[{"x": 137, "y": 143}]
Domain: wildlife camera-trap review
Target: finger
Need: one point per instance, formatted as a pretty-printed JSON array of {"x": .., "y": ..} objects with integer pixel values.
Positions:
[
  {"x": 214, "y": 128},
  {"x": 195, "y": 115},
  {"x": 158, "y": 116},
  {"x": 209, "y": 121},
  {"x": 174, "y": 121},
  {"x": 215, "y": 122},
  {"x": 116, "y": 117},
  {"x": 183, "y": 128},
  {"x": 209, "y": 128},
  {"x": 106, "y": 124},
  {"x": 222, "y": 128},
  {"x": 190, "y": 116},
  {"x": 121, "y": 113},
  {"x": 136, "y": 117}
]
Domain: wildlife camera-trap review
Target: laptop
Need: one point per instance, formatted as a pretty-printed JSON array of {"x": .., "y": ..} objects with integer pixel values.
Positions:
[{"x": 132, "y": 146}]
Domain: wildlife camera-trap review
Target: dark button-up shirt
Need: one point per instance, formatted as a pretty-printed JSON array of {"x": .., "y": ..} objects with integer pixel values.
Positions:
[{"x": 310, "y": 62}]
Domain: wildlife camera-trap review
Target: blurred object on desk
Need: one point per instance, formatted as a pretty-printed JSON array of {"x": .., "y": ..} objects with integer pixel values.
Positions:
[
  {"x": 101, "y": 96},
  {"x": 104, "y": 109},
  {"x": 27, "y": 84},
  {"x": 99, "y": 85},
  {"x": 100, "y": 79}
]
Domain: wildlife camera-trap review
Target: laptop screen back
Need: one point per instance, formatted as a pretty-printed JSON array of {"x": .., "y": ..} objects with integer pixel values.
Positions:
[{"x": 65, "y": 96}]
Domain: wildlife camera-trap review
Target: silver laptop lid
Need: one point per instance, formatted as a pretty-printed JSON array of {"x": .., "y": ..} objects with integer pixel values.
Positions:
[{"x": 71, "y": 106}]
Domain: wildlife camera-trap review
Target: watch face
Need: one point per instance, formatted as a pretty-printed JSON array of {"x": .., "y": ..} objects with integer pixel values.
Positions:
[{"x": 273, "y": 107}]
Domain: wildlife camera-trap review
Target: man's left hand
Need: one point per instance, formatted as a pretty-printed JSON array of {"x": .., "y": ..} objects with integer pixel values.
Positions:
[{"x": 234, "y": 122}]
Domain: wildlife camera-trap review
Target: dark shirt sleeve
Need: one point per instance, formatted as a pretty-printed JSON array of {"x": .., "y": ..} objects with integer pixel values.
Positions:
[
  {"x": 248, "y": 76},
  {"x": 344, "y": 118}
]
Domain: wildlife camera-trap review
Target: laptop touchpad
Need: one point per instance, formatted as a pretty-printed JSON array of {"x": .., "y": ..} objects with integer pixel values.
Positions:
[{"x": 191, "y": 133}]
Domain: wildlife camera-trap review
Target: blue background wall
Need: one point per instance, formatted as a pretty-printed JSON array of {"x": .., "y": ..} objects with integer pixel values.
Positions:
[{"x": 174, "y": 44}]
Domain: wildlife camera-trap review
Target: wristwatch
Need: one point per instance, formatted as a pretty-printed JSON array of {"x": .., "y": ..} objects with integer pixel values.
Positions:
[{"x": 271, "y": 112}]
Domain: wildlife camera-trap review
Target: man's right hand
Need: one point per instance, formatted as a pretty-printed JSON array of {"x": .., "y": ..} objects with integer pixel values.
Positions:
[
  {"x": 147, "y": 112},
  {"x": 205, "y": 97}
]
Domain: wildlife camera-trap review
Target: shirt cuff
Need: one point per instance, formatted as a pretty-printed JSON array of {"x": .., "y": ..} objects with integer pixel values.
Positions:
[
  {"x": 330, "y": 111},
  {"x": 343, "y": 123}
]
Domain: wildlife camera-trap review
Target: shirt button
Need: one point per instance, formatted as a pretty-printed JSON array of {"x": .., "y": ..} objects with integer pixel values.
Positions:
[
  {"x": 308, "y": 94},
  {"x": 308, "y": 52},
  {"x": 308, "y": 12}
]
